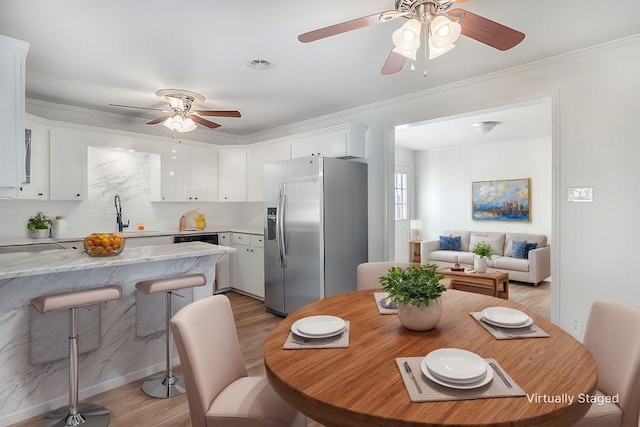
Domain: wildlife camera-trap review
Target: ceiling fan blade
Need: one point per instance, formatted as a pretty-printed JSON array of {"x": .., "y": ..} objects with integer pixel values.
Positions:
[
  {"x": 343, "y": 27},
  {"x": 487, "y": 31},
  {"x": 393, "y": 64},
  {"x": 158, "y": 120},
  {"x": 218, "y": 113},
  {"x": 204, "y": 122},
  {"x": 138, "y": 108}
]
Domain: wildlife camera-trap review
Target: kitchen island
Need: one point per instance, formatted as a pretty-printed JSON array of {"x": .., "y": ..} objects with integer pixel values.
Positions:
[{"x": 120, "y": 341}]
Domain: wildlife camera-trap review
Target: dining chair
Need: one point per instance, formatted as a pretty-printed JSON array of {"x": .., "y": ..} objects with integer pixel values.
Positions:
[
  {"x": 611, "y": 335},
  {"x": 368, "y": 274},
  {"x": 219, "y": 391}
]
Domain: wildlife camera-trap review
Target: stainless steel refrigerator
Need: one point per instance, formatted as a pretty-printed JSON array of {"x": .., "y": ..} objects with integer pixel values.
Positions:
[{"x": 315, "y": 229}]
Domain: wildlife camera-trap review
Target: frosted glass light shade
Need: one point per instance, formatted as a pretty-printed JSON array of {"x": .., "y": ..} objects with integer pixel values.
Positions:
[
  {"x": 444, "y": 32},
  {"x": 407, "y": 37}
]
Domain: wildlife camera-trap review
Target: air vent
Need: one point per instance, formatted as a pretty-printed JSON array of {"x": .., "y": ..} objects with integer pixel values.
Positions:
[{"x": 260, "y": 64}]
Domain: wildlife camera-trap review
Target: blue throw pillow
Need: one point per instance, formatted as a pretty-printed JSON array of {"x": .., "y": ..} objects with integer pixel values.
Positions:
[
  {"x": 518, "y": 248},
  {"x": 530, "y": 246},
  {"x": 450, "y": 243}
]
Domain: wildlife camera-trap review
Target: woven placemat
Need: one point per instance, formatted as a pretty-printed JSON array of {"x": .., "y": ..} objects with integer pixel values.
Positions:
[
  {"x": 432, "y": 392},
  {"x": 532, "y": 331},
  {"x": 295, "y": 342},
  {"x": 379, "y": 296}
]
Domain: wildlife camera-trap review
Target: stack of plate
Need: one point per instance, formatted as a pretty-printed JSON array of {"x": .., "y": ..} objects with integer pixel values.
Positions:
[
  {"x": 505, "y": 317},
  {"x": 456, "y": 368},
  {"x": 318, "y": 326}
]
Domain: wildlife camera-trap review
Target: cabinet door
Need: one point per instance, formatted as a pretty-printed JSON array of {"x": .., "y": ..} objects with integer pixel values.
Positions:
[
  {"x": 232, "y": 175},
  {"x": 257, "y": 158},
  {"x": 204, "y": 174},
  {"x": 345, "y": 141},
  {"x": 67, "y": 165},
  {"x": 175, "y": 172},
  {"x": 38, "y": 186}
]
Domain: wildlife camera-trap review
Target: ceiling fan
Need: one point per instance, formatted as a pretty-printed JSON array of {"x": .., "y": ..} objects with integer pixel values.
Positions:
[
  {"x": 436, "y": 19},
  {"x": 181, "y": 117}
]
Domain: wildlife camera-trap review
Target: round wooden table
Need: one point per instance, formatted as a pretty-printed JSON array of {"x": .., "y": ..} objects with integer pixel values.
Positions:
[{"x": 361, "y": 385}]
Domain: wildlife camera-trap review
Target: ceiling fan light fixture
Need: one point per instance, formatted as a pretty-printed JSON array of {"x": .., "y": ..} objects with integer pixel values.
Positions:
[
  {"x": 187, "y": 125},
  {"x": 434, "y": 52},
  {"x": 407, "y": 37},
  {"x": 485, "y": 127},
  {"x": 178, "y": 123},
  {"x": 443, "y": 32}
]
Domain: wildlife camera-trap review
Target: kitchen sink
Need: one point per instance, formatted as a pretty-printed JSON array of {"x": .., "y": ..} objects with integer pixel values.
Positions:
[{"x": 36, "y": 247}]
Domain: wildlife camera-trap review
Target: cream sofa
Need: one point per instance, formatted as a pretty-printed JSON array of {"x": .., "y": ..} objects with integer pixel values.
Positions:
[{"x": 532, "y": 269}]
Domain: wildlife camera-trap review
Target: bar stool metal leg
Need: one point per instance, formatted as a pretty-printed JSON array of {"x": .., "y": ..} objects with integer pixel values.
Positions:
[
  {"x": 88, "y": 414},
  {"x": 170, "y": 384}
]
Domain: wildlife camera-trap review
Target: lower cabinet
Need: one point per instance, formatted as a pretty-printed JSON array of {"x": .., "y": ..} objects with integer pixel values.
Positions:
[{"x": 248, "y": 264}]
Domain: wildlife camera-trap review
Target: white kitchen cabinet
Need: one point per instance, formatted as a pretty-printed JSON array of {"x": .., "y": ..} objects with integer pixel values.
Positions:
[
  {"x": 13, "y": 54},
  {"x": 189, "y": 173},
  {"x": 232, "y": 175},
  {"x": 38, "y": 186},
  {"x": 345, "y": 141},
  {"x": 224, "y": 266},
  {"x": 258, "y": 156},
  {"x": 67, "y": 164},
  {"x": 248, "y": 264}
]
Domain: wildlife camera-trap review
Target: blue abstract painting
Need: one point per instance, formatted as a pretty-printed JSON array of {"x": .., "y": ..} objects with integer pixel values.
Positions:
[{"x": 501, "y": 200}]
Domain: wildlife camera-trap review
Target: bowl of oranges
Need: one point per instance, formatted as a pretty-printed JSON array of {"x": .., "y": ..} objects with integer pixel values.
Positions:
[{"x": 103, "y": 244}]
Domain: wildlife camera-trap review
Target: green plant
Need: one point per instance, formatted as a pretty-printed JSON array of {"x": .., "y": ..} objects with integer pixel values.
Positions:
[
  {"x": 413, "y": 285},
  {"x": 39, "y": 222},
  {"x": 482, "y": 249}
]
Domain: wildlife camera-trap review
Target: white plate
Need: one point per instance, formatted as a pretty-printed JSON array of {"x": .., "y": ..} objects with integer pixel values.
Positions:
[
  {"x": 454, "y": 365},
  {"x": 499, "y": 325},
  {"x": 484, "y": 381},
  {"x": 318, "y": 326},
  {"x": 505, "y": 316}
]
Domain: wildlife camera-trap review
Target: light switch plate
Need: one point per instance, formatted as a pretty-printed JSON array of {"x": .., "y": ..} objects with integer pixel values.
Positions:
[{"x": 580, "y": 194}]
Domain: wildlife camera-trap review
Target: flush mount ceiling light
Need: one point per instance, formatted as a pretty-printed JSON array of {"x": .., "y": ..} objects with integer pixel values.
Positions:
[{"x": 484, "y": 127}]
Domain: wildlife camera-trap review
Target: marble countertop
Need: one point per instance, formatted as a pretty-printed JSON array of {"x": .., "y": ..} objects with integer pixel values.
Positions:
[
  {"x": 20, "y": 264},
  {"x": 10, "y": 241}
]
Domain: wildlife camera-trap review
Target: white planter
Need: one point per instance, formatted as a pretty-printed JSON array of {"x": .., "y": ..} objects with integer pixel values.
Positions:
[
  {"x": 421, "y": 318},
  {"x": 40, "y": 233},
  {"x": 480, "y": 264}
]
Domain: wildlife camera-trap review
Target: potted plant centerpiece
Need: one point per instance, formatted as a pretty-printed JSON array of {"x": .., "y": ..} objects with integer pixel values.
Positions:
[
  {"x": 416, "y": 290},
  {"x": 482, "y": 253},
  {"x": 39, "y": 225}
]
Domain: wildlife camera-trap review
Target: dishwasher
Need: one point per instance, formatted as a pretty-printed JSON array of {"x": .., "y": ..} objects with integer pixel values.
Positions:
[{"x": 223, "y": 265}]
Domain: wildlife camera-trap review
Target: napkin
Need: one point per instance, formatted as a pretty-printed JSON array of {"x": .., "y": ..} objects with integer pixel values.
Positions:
[
  {"x": 510, "y": 333},
  {"x": 432, "y": 392},
  {"x": 295, "y": 342},
  {"x": 379, "y": 296}
]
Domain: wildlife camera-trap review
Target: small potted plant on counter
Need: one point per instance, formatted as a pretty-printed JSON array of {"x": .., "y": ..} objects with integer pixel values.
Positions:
[
  {"x": 416, "y": 290},
  {"x": 482, "y": 253},
  {"x": 39, "y": 225}
]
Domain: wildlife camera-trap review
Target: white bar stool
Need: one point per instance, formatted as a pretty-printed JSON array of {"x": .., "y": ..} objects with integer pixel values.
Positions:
[
  {"x": 88, "y": 414},
  {"x": 170, "y": 384}
]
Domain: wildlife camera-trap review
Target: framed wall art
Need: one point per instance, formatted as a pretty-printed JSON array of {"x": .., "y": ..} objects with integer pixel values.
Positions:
[{"x": 501, "y": 200}]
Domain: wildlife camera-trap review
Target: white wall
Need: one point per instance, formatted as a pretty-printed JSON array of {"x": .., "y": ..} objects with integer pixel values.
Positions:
[{"x": 444, "y": 177}]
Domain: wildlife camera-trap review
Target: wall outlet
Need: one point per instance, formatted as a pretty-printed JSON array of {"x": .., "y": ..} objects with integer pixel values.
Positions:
[{"x": 576, "y": 325}]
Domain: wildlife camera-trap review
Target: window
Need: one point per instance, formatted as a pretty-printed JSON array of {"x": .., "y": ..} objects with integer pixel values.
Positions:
[{"x": 401, "y": 196}]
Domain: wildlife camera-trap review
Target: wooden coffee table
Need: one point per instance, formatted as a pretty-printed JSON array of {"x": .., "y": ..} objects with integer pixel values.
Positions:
[{"x": 493, "y": 282}]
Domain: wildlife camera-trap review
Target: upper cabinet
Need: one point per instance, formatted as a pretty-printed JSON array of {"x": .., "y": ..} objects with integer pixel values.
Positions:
[
  {"x": 13, "y": 55},
  {"x": 37, "y": 185},
  {"x": 189, "y": 173},
  {"x": 258, "y": 157},
  {"x": 345, "y": 141},
  {"x": 67, "y": 164},
  {"x": 232, "y": 175}
]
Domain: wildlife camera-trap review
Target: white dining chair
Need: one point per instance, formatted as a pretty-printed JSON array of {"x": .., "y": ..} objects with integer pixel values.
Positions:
[
  {"x": 219, "y": 391},
  {"x": 612, "y": 336},
  {"x": 368, "y": 274}
]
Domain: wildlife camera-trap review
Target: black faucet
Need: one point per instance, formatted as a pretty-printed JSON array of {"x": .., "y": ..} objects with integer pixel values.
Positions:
[{"x": 121, "y": 226}]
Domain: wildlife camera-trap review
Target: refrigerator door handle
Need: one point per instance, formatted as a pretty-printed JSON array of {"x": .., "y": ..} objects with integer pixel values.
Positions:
[{"x": 280, "y": 226}]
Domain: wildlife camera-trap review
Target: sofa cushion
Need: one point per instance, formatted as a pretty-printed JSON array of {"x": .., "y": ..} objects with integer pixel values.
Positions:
[
  {"x": 446, "y": 256},
  {"x": 495, "y": 240},
  {"x": 519, "y": 249},
  {"x": 539, "y": 239},
  {"x": 510, "y": 263},
  {"x": 464, "y": 238},
  {"x": 530, "y": 247},
  {"x": 450, "y": 243}
]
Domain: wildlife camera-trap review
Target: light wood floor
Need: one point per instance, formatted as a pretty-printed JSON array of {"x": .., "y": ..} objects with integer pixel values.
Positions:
[{"x": 130, "y": 406}]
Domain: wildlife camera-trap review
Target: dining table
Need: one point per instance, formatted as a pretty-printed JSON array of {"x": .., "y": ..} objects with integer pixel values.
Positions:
[{"x": 361, "y": 383}]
